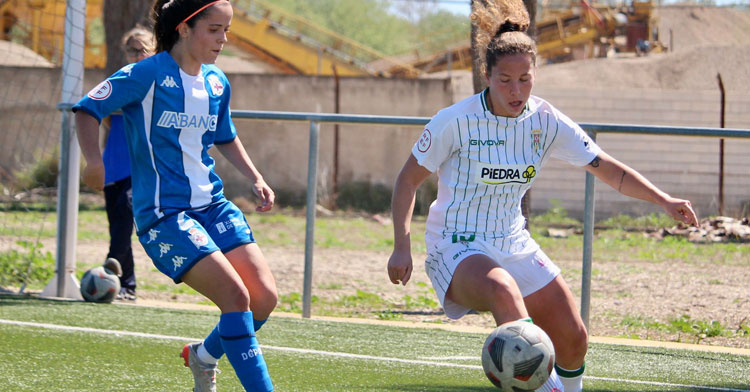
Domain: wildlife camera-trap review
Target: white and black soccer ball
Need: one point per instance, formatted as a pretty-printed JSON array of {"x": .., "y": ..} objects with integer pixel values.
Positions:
[
  {"x": 99, "y": 284},
  {"x": 518, "y": 356}
]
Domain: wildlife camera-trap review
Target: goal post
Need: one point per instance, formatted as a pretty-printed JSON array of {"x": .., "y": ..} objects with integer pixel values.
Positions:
[{"x": 64, "y": 283}]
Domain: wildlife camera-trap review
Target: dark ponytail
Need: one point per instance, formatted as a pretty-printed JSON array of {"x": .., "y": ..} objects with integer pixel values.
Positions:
[{"x": 166, "y": 15}]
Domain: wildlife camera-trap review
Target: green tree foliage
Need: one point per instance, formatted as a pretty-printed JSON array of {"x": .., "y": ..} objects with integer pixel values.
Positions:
[{"x": 374, "y": 24}]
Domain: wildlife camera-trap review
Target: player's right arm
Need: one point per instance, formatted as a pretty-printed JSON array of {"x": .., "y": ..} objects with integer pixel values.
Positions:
[
  {"x": 127, "y": 85},
  {"x": 428, "y": 153},
  {"x": 87, "y": 128},
  {"x": 402, "y": 205}
]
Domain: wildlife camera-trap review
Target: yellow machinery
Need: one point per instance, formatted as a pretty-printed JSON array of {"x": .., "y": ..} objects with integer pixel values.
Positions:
[
  {"x": 39, "y": 25},
  {"x": 580, "y": 26},
  {"x": 290, "y": 43},
  {"x": 569, "y": 31},
  {"x": 295, "y": 45}
]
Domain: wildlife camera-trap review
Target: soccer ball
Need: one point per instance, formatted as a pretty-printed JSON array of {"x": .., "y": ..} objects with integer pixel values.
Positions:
[
  {"x": 99, "y": 284},
  {"x": 518, "y": 356}
]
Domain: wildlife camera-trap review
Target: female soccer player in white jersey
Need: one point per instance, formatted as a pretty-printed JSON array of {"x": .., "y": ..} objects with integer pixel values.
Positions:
[
  {"x": 176, "y": 107},
  {"x": 487, "y": 150}
]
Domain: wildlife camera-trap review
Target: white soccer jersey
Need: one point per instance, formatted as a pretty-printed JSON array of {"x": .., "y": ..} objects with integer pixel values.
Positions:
[
  {"x": 485, "y": 164},
  {"x": 172, "y": 119}
]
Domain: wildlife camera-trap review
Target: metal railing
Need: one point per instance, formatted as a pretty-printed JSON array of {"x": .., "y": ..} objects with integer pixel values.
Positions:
[{"x": 588, "y": 221}]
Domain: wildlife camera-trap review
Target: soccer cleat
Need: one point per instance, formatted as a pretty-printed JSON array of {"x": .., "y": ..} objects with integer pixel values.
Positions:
[
  {"x": 126, "y": 294},
  {"x": 204, "y": 375}
]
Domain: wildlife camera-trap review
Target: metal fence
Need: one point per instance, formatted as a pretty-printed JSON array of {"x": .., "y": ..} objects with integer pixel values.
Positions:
[
  {"x": 588, "y": 222},
  {"x": 65, "y": 263}
]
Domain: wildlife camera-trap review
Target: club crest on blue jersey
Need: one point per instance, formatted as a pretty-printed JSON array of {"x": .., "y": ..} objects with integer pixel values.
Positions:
[
  {"x": 217, "y": 87},
  {"x": 102, "y": 91},
  {"x": 505, "y": 174}
]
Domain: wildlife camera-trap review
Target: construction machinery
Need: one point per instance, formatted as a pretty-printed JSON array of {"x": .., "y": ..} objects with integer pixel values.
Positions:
[
  {"x": 569, "y": 31},
  {"x": 288, "y": 42},
  {"x": 291, "y": 44},
  {"x": 39, "y": 24}
]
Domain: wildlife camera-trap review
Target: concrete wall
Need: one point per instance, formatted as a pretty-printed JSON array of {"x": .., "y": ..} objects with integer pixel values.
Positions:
[
  {"x": 29, "y": 120},
  {"x": 366, "y": 152},
  {"x": 681, "y": 166},
  {"x": 684, "y": 167}
]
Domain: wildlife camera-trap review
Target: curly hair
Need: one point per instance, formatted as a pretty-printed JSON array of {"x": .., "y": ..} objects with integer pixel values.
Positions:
[{"x": 501, "y": 30}]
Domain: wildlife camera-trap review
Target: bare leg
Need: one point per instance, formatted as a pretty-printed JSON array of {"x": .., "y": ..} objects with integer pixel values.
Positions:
[
  {"x": 480, "y": 284},
  {"x": 214, "y": 277},
  {"x": 553, "y": 309},
  {"x": 251, "y": 265}
]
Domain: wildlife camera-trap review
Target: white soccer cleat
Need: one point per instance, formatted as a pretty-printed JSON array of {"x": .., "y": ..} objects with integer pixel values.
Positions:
[{"x": 204, "y": 375}]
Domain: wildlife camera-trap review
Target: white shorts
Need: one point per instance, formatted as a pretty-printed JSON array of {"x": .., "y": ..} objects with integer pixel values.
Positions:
[{"x": 531, "y": 268}]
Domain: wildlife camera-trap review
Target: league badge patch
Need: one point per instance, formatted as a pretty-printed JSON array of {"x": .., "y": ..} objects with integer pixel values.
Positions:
[{"x": 425, "y": 141}]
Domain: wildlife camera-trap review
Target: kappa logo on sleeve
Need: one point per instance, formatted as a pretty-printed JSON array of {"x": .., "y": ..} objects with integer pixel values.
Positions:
[
  {"x": 102, "y": 91},
  {"x": 127, "y": 69},
  {"x": 425, "y": 141}
]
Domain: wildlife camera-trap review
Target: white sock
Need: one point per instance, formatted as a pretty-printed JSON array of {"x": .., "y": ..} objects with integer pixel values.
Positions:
[
  {"x": 553, "y": 384},
  {"x": 205, "y": 357},
  {"x": 574, "y": 383}
]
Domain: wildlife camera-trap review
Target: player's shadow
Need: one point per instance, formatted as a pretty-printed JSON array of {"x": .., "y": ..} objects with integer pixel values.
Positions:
[
  {"x": 490, "y": 388},
  {"x": 438, "y": 388}
]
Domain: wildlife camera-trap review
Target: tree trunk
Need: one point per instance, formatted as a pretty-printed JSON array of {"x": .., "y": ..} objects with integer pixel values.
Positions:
[
  {"x": 480, "y": 83},
  {"x": 119, "y": 17}
]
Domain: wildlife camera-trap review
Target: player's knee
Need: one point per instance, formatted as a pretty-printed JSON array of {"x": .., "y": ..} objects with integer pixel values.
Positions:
[
  {"x": 503, "y": 289},
  {"x": 264, "y": 302},
  {"x": 236, "y": 299},
  {"x": 575, "y": 344}
]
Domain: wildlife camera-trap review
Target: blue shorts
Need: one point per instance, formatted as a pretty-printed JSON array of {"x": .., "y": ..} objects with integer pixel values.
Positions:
[{"x": 180, "y": 240}]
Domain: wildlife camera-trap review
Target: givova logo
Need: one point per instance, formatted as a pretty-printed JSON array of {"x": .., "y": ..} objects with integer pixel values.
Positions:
[
  {"x": 490, "y": 142},
  {"x": 505, "y": 174},
  {"x": 184, "y": 120}
]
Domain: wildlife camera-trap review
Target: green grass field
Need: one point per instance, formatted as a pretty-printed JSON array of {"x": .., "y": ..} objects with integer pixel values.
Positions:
[{"x": 76, "y": 346}]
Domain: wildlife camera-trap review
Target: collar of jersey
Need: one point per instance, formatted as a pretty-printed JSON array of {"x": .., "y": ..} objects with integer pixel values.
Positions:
[{"x": 486, "y": 105}]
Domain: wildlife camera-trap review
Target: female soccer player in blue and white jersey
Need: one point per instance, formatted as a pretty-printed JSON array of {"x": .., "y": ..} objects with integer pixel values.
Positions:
[
  {"x": 176, "y": 107},
  {"x": 487, "y": 150}
]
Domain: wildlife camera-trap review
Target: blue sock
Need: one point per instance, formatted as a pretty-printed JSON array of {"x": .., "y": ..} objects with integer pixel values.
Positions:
[
  {"x": 212, "y": 344},
  {"x": 243, "y": 351},
  {"x": 258, "y": 323}
]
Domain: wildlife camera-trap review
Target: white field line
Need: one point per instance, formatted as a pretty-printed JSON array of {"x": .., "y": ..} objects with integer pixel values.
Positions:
[{"x": 429, "y": 362}]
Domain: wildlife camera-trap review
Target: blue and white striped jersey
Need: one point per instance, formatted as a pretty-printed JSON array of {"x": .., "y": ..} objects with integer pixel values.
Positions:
[
  {"x": 172, "y": 119},
  {"x": 485, "y": 164}
]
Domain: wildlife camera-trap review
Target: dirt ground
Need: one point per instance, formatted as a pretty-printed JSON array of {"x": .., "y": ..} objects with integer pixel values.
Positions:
[
  {"x": 625, "y": 295},
  {"x": 621, "y": 291}
]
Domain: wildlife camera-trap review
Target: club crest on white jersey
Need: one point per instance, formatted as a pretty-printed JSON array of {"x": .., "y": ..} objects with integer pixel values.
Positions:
[
  {"x": 102, "y": 91},
  {"x": 504, "y": 174},
  {"x": 169, "y": 82}
]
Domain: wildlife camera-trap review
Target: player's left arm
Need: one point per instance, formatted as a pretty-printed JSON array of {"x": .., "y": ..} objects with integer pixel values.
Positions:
[
  {"x": 629, "y": 182},
  {"x": 237, "y": 156}
]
